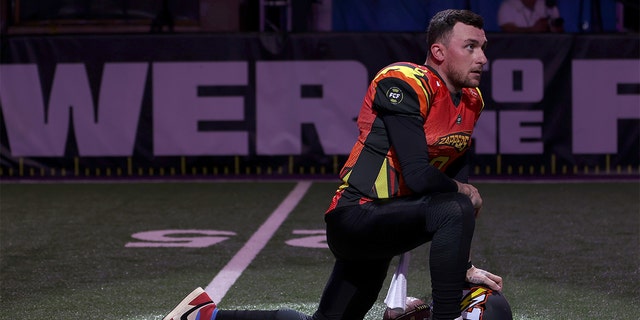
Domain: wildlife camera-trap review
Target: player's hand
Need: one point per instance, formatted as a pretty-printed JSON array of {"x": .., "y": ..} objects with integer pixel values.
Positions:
[
  {"x": 479, "y": 276},
  {"x": 476, "y": 200},
  {"x": 472, "y": 193}
]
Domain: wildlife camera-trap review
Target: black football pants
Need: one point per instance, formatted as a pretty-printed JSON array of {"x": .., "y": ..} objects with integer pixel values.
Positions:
[{"x": 365, "y": 238}]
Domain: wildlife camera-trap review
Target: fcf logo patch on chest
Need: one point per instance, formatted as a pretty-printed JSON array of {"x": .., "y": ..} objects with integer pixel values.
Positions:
[{"x": 395, "y": 95}]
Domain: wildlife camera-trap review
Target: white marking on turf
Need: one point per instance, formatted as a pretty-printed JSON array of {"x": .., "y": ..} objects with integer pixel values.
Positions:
[{"x": 223, "y": 281}]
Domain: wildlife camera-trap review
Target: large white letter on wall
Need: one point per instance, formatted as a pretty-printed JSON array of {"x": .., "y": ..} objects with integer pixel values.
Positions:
[
  {"x": 597, "y": 104},
  {"x": 327, "y": 94},
  {"x": 108, "y": 129},
  {"x": 177, "y": 108},
  {"x": 528, "y": 74}
]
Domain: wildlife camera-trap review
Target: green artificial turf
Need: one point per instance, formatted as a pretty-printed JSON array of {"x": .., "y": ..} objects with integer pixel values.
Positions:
[{"x": 565, "y": 250}]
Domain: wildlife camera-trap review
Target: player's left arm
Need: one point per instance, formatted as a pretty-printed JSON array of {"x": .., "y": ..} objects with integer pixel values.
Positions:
[
  {"x": 459, "y": 171},
  {"x": 459, "y": 168}
]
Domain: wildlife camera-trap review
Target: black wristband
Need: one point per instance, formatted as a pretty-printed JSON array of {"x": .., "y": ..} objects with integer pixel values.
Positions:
[{"x": 469, "y": 265}]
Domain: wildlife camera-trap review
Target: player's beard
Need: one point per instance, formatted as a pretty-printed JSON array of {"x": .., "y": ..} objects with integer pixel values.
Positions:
[{"x": 465, "y": 79}]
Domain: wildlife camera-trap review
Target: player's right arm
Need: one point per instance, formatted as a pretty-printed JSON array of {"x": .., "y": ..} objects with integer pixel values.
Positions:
[
  {"x": 401, "y": 104},
  {"x": 407, "y": 137}
]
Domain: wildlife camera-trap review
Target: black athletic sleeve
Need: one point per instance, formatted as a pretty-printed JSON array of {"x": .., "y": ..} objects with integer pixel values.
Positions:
[
  {"x": 406, "y": 135},
  {"x": 459, "y": 169}
]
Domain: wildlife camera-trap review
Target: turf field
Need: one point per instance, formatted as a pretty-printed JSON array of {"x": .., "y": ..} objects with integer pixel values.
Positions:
[{"x": 133, "y": 250}]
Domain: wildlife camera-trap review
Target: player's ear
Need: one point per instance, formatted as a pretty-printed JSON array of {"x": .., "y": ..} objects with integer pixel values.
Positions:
[{"x": 437, "y": 51}]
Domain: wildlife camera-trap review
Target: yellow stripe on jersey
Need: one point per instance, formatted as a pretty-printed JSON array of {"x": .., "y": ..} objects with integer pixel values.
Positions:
[
  {"x": 409, "y": 73},
  {"x": 346, "y": 178},
  {"x": 382, "y": 182},
  {"x": 481, "y": 98}
]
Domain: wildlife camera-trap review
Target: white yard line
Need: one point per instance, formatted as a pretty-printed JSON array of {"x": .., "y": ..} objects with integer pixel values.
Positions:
[{"x": 223, "y": 281}]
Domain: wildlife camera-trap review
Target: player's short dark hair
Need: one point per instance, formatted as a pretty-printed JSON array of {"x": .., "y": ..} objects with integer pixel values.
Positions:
[{"x": 442, "y": 24}]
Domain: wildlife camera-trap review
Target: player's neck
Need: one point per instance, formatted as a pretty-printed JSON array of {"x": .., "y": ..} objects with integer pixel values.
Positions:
[{"x": 436, "y": 69}]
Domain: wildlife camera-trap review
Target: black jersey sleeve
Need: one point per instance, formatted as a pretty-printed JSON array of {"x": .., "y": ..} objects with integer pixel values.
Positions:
[
  {"x": 395, "y": 96},
  {"x": 406, "y": 136},
  {"x": 459, "y": 169}
]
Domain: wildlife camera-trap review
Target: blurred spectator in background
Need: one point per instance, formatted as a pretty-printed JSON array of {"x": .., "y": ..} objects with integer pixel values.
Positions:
[{"x": 530, "y": 16}]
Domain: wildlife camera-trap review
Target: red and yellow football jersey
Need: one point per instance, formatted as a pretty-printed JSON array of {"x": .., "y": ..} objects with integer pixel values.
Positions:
[{"x": 372, "y": 170}]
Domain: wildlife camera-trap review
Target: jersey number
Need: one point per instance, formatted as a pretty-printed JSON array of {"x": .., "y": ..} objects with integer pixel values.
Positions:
[{"x": 439, "y": 162}]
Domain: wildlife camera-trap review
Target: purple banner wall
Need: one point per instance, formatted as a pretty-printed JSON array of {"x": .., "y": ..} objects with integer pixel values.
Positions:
[{"x": 246, "y": 105}]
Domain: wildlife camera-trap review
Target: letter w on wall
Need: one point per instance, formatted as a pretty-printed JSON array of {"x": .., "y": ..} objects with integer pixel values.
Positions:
[{"x": 36, "y": 129}]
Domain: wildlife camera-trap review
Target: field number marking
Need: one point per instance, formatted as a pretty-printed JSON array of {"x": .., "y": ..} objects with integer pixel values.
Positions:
[
  {"x": 189, "y": 238},
  {"x": 316, "y": 239},
  {"x": 179, "y": 238}
]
